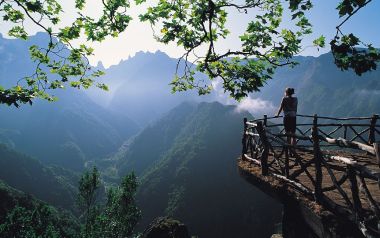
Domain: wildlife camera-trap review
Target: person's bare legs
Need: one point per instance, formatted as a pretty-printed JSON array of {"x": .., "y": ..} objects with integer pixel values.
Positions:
[
  {"x": 291, "y": 141},
  {"x": 294, "y": 141},
  {"x": 288, "y": 138}
]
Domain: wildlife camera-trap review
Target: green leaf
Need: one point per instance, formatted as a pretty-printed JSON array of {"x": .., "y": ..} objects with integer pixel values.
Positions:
[{"x": 320, "y": 41}]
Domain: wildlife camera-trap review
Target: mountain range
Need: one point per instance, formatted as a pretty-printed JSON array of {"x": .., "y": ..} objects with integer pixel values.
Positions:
[
  {"x": 140, "y": 94},
  {"x": 140, "y": 87}
]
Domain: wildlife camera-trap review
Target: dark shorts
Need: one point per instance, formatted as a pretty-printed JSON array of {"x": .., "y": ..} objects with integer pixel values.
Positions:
[{"x": 290, "y": 124}]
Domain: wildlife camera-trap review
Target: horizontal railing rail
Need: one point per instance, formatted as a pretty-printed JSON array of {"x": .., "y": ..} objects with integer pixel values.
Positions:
[{"x": 320, "y": 117}]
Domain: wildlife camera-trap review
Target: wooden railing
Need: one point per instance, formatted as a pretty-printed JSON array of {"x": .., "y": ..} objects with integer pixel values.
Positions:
[{"x": 325, "y": 165}]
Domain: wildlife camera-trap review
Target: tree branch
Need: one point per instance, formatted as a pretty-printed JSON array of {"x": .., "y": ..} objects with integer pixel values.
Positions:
[{"x": 354, "y": 12}]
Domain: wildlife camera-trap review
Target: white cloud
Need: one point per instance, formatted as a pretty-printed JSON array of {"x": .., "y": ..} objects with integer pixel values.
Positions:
[
  {"x": 366, "y": 92},
  {"x": 256, "y": 106},
  {"x": 220, "y": 94}
]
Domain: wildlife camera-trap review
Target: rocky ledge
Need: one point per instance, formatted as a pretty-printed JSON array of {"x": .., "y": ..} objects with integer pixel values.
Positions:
[{"x": 165, "y": 227}]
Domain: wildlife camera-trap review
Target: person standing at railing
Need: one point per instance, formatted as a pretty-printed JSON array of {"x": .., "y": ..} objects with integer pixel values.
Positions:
[{"x": 289, "y": 106}]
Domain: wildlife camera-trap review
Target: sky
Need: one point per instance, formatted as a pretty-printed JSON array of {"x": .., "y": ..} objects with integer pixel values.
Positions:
[{"x": 139, "y": 36}]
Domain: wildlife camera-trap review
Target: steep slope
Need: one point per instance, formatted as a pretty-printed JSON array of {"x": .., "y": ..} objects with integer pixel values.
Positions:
[
  {"x": 193, "y": 177},
  {"x": 155, "y": 140},
  {"x": 55, "y": 186},
  {"x": 22, "y": 215}
]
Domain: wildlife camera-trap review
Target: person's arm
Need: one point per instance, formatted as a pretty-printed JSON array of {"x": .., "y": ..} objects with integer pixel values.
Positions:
[{"x": 281, "y": 107}]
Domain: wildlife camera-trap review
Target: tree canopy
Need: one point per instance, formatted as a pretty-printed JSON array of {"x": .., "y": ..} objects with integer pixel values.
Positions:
[
  {"x": 59, "y": 63},
  {"x": 192, "y": 25},
  {"x": 117, "y": 217}
]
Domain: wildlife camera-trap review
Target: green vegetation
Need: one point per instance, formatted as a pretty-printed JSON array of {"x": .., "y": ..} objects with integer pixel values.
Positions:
[
  {"x": 118, "y": 217},
  {"x": 39, "y": 222},
  {"x": 266, "y": 45},
  {"x": 23, "y": 216},
  {"x": 58, "y": 63},
  {"x": 29, "y": 175},
  {"x": 88, "y": 186},
  {"x": 187, "y": 168}
]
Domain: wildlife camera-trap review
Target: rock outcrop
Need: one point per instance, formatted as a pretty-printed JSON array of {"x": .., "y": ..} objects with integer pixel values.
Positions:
[{"x": 165, "y": 227}]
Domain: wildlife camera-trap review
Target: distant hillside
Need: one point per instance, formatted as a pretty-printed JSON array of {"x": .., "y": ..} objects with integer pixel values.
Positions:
[
  {"x": 15, "y": 62},
  {"x": 139, "y": 87},
  {"x": 55, "y": 186},
  {"x": 187, "y": 165},
  {"x": 68, "y": 132}
]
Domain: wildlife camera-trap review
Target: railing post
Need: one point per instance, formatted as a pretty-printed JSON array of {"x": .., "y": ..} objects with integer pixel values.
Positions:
[
  {"x": 354, "y": 192},
  {"x": 376, "y": 146},
  {"x": 317, "y": 159},
  {"x": 265, "y": 120},
  {"x": 345, "y": 132},
  {"x": 244, "y": 139},
  {"x": 264, "y": 156},
  {"x": 286, "y": 162},
  {"x": 371, "y": 136}
]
